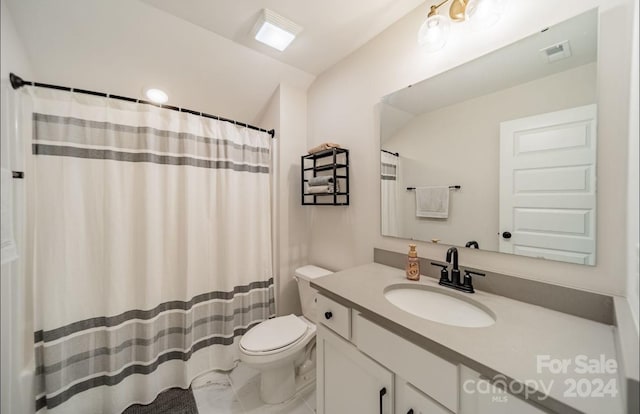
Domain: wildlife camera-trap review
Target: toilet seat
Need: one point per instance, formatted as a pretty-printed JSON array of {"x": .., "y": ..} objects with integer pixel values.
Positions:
[{"x": 274, "y": 335}]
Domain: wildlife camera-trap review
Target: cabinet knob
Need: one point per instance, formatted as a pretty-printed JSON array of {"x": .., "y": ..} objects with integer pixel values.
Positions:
[
  {"x": 410, "y": 411},
  {"x": 328, "y": 315},
  {"x": 506, "y": 235}
]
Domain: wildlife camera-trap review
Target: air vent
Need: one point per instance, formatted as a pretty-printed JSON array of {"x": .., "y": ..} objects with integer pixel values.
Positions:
[{"x": 556, "y": 52}]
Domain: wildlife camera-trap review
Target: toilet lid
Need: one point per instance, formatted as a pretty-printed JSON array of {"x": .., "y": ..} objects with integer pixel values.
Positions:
[{"x": 273, "y": 334}]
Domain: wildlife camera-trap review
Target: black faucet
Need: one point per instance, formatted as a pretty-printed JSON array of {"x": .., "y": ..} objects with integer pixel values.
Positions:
[
  {"x": 466, "y": 285},
  {"x": 472, "y": 244},
  {"x": 455, "y": 272}
]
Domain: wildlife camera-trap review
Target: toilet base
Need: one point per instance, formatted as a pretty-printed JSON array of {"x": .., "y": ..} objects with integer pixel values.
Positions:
[
  {"x": 282, "y": 372},
  {"x": 277, "y": 384},
  {"x": 306, "y": 380}
]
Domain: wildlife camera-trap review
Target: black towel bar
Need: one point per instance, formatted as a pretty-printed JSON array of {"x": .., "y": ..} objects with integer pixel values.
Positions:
[{"x": 451, "y": 187}]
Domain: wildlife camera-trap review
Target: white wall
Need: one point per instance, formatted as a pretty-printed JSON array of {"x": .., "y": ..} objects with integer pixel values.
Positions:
[
  {"x": 16, "y": 317},
  {"x": 633, "y": 185},
  {"x": 271, "y": 116},
  {"x": 342, "y": 107},
  {"x": 14, "y": 58},
  {"x": 460, "y": 145},
  {"x": 290, "y": 228}
]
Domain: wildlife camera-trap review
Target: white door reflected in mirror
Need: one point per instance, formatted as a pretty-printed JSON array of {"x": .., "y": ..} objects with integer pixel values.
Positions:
[{"x": 548, "y": 185}]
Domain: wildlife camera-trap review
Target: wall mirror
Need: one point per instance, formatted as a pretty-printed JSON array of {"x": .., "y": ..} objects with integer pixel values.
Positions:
[{"x": 499, "y": 153}]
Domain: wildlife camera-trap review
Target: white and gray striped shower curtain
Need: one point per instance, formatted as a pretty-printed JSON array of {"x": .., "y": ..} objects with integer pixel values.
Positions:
[
  {"x": 151, "y": 250},
  {"x": 389, "y": 166}
]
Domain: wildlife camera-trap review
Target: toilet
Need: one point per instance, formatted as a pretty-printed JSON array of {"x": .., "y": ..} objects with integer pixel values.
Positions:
[{"x": 283, "y": 348}]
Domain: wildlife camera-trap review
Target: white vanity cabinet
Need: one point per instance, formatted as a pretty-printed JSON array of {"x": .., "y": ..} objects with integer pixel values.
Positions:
[
  {"x": 409, "y": 400},
  {"x": 335, "y": 316},
  {"x": 349, "y": 381},
  {"x": 433, "y": 376},
  {"x": 479, "y": 396},
  {"x": 364, "y": 368}
]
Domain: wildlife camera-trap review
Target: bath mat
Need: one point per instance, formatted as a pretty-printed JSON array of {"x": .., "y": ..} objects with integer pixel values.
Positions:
[{"x": 171, "y": 401}]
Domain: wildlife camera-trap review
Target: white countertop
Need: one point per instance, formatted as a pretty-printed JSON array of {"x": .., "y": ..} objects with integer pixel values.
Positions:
[{"x": 521, "y": 335}]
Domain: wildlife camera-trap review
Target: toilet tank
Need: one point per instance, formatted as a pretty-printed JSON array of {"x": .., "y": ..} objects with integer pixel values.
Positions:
[{"x": 304, "y": 275}]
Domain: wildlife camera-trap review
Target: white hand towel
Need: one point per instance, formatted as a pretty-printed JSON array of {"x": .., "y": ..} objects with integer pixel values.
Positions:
[
  {"x": 8, "y": 251},
  {"x": 321, "y": 180},
  {"x": 432, "y": 202}
]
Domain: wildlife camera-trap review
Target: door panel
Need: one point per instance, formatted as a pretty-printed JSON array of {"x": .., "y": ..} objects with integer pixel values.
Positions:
[
  {"x": 548, "y": 185},
  {"x": 563, "y": 179}
]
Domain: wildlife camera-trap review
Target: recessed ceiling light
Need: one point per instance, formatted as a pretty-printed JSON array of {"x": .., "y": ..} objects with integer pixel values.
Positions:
[
  {"x": 274, "y": 30},
  {"x": 156, "y": 95}
]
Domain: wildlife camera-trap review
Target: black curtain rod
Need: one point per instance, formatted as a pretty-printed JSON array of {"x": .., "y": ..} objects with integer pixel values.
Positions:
[
  {"x": 17, "y": 82},
  {"x": 392, "y": 153}
]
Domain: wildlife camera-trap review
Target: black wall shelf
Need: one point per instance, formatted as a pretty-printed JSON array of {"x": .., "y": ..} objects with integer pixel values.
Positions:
[{"x": 333, "y": 162}]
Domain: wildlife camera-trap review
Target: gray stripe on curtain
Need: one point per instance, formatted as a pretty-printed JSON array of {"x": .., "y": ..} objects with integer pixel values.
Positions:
[
  {"x": 58, "y": 399},
  {"x": 105, "y": 140},
  {"x": 138, "y": 335},
  {"x": 102, "y": 154},
  {"x": 388, "y": 169},
  {"x": 70, "y": 129},
  {"x": 103, "y": 321},
  {"x": 180, "y": 328}
]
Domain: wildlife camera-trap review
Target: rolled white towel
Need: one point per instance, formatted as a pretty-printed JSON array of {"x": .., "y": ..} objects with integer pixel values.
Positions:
[
  {"x": 322, "y": 180},
  {"x": 320, "y": 189}
]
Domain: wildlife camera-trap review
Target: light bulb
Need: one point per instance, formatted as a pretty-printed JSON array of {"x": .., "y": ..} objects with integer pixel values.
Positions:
[
  {"x": 434, "y": 32},
  {"x": 156, "y": 95},
  {"x": 482, "y": 14}
]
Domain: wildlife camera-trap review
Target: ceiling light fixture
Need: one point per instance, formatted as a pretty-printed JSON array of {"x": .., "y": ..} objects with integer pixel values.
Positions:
[
  {"x": 434, "y": 32},
  {"x": 274, "y": 30},
  {"x": 156, "y": 95}
]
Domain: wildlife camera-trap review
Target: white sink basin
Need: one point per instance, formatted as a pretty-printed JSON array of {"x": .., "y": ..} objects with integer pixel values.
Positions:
[{"x": 439, "y": 306}]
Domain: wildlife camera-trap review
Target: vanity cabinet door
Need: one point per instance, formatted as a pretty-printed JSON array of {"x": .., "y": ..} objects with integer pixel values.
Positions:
[
  {"x": 432, "y": 375},
  {"x": 349, "y": 381},
  {"x": 411, "y": 401},
  {"x": 478, "y": 396}
]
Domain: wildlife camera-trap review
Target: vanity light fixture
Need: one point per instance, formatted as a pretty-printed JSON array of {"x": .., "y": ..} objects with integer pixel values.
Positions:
[
  {"x": 156, "y": 95},
  {"x": 275, "y": 30},
  {"x": 480, "y": 14},
  {"x": 434, "y": 32}
]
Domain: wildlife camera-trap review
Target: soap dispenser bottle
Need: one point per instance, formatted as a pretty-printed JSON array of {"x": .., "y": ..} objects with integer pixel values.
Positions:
[{"x": 413, "y": 264}]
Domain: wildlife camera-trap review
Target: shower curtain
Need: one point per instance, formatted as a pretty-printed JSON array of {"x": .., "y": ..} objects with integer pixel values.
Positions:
[
  {"x": 389, "y": 193},
  {"x": 151, "y": 248}
]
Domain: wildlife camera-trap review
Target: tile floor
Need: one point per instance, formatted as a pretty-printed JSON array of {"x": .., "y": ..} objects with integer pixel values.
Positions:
[{"x": 238, "y": 392}]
